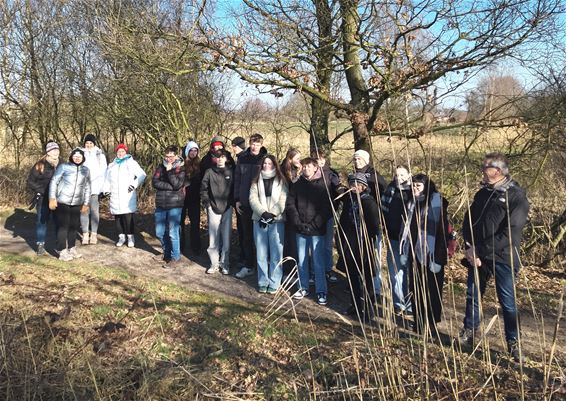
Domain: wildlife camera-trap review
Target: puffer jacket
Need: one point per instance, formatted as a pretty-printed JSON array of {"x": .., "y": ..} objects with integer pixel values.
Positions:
[
  {"x": 119, "y": 176},
  {"x": 96, "y": 163},
  {"x": 70, "y": 184},
  {"x": 170, "y": 185}
]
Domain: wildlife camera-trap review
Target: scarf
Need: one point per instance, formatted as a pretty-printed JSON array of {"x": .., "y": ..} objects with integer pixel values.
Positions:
[
  {"x": 315, "y": 176},
  {"x": 501, "y": 186},
  {"x": 428, "y": 219},
  {"x": 54, "y": 161},
  {"x": 267, "y": 202},
  {"x": 122, "y": 160},
  {"x": 266, "y": 175},
  {"x": 177, "y": 163},
  {"x": 389, "y": 193}
]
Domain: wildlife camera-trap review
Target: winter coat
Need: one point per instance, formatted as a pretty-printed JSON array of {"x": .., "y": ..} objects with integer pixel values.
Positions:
[
  {"x": 376, "y": 182},
  {"x": 209, "y": 161},
  {"x": 497, "y": 217},
  {"x": 119, "y": 176},
  {"x": 96, "y": 163},
  {"x": 307, "y": 206},
  {"x": 169, "y": 185},
  {"x": 332, "y": 181},
  {"x": 38, "y": 181},
  {"x": 246, "y": 170},
  {"x": 275, "y": 204},
  {"x": 217, "y": 189},
  {"x": 70, "y": 184},
  {"x": 394, "y": 202}
]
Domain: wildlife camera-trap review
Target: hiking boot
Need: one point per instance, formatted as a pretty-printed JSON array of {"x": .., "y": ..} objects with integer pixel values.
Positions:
[
  {"x": 93, "y": 239},
  {"x": 121, "y": 240},
  {"x": 515, "y": 352},
  {"x": 300, "y": 294},
  {"x": 131, "y": 240},
  {"x": 172, "y": 264},
  {"x": 85, "y": 239},
  {"x": 40, "y": 249},
  {"x": 244, "y": 272},
  {"x": 321, "y": 298},
  {"x": 467, "y": 337},
  {"x": 211, "y": 270},
  {"x": 74, "y": 253},
  {"x": 65, "y": 256}
]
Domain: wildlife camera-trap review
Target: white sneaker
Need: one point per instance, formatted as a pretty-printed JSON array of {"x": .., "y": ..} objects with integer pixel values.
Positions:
[
  {"x": 85, "y": 240},
  {"x": 211, "y": 270},
  {"x": 300, "y": 294},
  {"x": 74, "y": 253},
  {"x": 65, "y": 256},
  {"x": 121, "y": 240},
  {"x": 131, "y": 240},
  {"x": 93, "y": 239},
  {"x": 224, "y": 270},
  {"x": 244, "y": 272}
]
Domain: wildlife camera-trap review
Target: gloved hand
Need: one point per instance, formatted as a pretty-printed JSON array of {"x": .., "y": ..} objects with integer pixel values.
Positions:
[
  {"x": 84, "y": 209},
  {"x": 52, "y": 204},
  {"x": 131, "y": 188},
  {"x": 267, "y": 217}
]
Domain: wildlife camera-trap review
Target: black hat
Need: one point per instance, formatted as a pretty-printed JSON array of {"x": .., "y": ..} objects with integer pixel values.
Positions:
[
  {"x": 239, "y": 141},
  {"x": 89, "y": 137}
]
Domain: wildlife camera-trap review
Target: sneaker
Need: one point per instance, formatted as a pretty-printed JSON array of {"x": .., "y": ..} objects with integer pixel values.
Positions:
[
  {"x": 65, "y": 256},
  {"x": 211, "y": 270},
  {"x": 93, "y": 239},
  {"x": 85, "y": 239},
  {"x": 172, "y": 264},
  {"x": 300, "y": 294},
  {"x": 121, "y": 240},
  {"x": 515, "y": 352},
  {"x": 321, "y": 298},
  {"x": 262, "y": 289},
  {"x": 224, "y": 270},
  {"x": 40, "y": 249},
  {"x": 311, "y": 280},
  {"x": 74, "y": 253},
  {"x": 271, "y": 291},
  {"x": 466, "y": 337},
  {"x": 332, "y": 277},
  {"x": 244, "y": 272},
  {"x": 130, "y": 241}
]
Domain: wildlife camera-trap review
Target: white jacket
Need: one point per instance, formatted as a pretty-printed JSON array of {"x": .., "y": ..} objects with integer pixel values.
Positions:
[
  {"x": 96, "y": 163},
  {"x": 119, "y": 176}
]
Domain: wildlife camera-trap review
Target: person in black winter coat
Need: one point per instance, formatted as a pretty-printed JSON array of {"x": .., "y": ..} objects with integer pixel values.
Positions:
[
  {"x": 38, "y": 183},
  {"x": 424, "y": 242},
  {"x": 191, "y": 208},
  {"x": 209, "y": 160},
  {"x": 217, "y": 195},
  {"x": 492, "y": 232},
  {"x": 247, "y": 168},
  {"x": 308, "y": 210},
  {"x": 358, "y": 230},
  {"x": 169, "y": 183}
]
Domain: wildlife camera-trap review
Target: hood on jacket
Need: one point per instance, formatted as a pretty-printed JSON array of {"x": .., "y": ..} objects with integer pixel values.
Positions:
[{"x": 74, "y": 152}]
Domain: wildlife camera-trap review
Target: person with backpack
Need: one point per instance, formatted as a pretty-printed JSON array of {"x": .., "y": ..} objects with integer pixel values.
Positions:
[
  {"x": 95, "y": 160},
  {"x": 38, "y": 183},
  {"x": 69, "y": 196}
]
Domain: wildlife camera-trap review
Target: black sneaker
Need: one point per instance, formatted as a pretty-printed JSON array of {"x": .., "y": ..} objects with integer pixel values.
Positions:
[
  {"x": 466, "y": 337},
  {"x": 332, "y": 277},
  {"x": 515, "y": 352}
]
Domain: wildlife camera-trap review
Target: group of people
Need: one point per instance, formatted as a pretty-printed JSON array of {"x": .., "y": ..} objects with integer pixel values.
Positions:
[{"x": 298, "y": 210}]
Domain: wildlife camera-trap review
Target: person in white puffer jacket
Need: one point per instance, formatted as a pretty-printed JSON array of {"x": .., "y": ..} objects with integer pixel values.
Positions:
[
  {"x": 123, "y": 176},
  {"x": 95, "y": 160}
]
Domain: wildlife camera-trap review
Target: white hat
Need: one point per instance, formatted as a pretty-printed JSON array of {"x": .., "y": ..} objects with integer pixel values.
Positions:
[
  {"x": 190, "y": 145},
  {"x": 362, "y": 154}
]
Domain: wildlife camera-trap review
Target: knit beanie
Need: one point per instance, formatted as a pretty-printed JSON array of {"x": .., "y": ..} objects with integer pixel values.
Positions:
[
  {"x": 362, "y": 154},
  {"x": 50, "y": 146},
  {"x": 89, "y": 138},
  {"x": 358, "y": 178},
  {"x": 190, "y": 145},
  {"x": 239, "y": 141},
  {"x": 121, "y": 146}
]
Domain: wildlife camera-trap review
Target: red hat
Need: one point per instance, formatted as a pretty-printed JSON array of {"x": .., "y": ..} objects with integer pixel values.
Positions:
[{"x": 121, "y": 146}]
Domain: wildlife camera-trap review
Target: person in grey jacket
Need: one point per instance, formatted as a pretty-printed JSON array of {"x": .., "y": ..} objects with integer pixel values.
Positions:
[
  {"x": 216, "y": 193},
  {"x": 69, "y": 195}
]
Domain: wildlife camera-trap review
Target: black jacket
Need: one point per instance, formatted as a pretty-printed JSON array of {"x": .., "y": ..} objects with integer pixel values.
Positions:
[
  {"x": 209, "y": 160},
  {"x": 332, "y": 181},
  {"x": 497, "y": 217},
  {"x": 376, "y": 182},
  {"x": 169, "y": 186},
  {"x": 307, "y": 206},
  {"x": 38, "y": 182},
  {"x": 217, "y": 189},
  {"x": 394, "y": 202},
  {"x": 247, "y": 168}
]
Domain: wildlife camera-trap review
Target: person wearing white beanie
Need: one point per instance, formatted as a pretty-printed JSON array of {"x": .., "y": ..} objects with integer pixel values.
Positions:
[{"x": 191, "y": 208}]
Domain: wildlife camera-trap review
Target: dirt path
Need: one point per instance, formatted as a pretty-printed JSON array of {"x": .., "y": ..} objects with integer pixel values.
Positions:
[{"x": 17, "y": 237}]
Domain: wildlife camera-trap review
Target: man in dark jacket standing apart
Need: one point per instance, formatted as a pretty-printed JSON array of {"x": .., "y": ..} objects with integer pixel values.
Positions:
[
  {"x": 248, "y": 166},
  {"x": 308, "y": 209},
  {"x": 168, "y": 181},
  {"x": 492, "y": 233}
]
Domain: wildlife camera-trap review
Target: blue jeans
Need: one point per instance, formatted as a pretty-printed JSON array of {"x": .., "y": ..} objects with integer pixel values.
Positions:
[
  {"x": 328, "y": 248},
  {"x": 269, "y": 245},
  {"x": 315, "y": 246},
  {"x": 505, "y": 289},
  {"x": 42, "y": 219},
  {"x": 377, "y": 277},
  {"x": 171, "y": 219},
  {"x": 398, "y": 276}
]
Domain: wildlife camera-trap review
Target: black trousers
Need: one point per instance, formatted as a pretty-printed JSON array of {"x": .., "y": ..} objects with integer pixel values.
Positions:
[
  {"x": 426, "y": 288},
  {"x": 248, "y": 237},
  {"x": 68, "y": 223},
  {"x": 124, "y": 223},
  {"x": 192, "y": 210}
]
